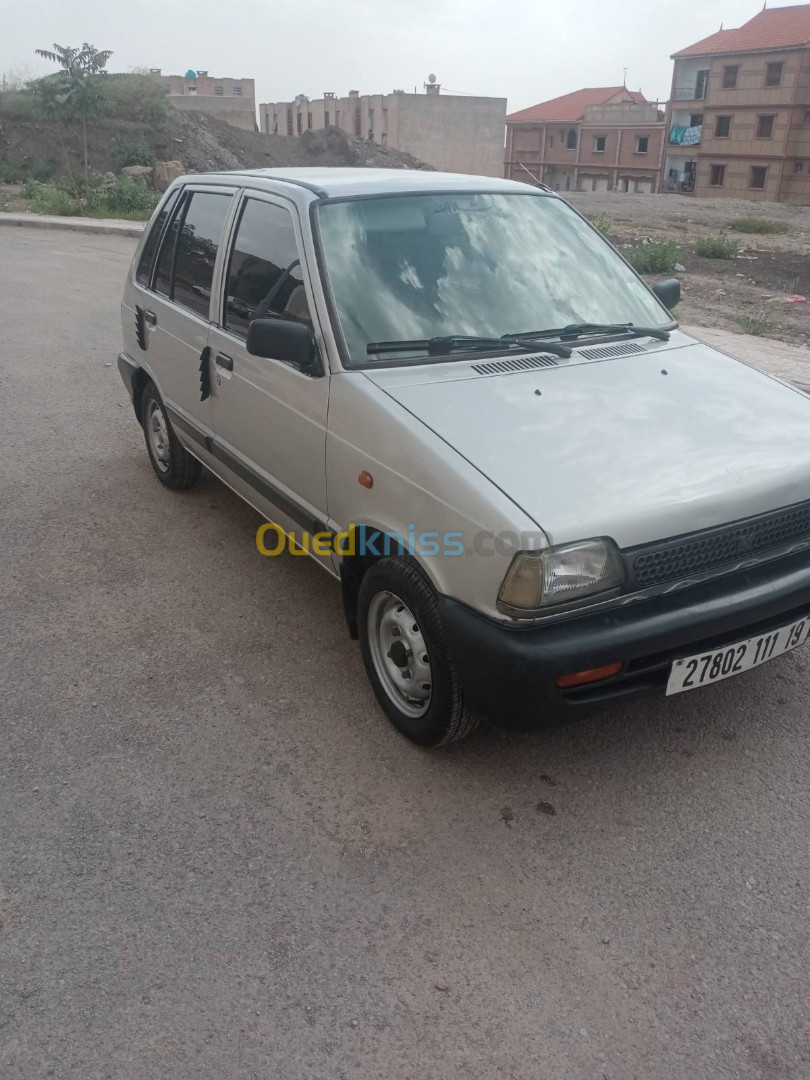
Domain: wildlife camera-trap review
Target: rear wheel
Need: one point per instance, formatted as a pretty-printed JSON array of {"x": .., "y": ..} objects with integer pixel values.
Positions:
[
  {"x": 173, "y": 464},
  {"x": 406, "y": 657}
]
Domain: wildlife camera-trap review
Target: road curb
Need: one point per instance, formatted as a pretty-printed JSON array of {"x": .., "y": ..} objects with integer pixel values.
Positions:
[{"x": 91, "y": 225}]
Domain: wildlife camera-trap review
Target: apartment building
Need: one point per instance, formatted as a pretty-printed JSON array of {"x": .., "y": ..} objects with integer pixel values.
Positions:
[
  {"x": 739, "y": 112},
  {"x": 604, "y": 138},
  {"x": 450, "y": 132},
  {"x": 232, "y": 100}
]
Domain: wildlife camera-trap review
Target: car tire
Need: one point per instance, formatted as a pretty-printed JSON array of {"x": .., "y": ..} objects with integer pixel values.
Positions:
[
  {"x": 173, "y": 464},
  {"x": 406, "y": 657}
]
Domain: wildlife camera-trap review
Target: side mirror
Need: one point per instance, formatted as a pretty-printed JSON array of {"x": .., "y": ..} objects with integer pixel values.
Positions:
[
  {"x": 668, "y": 292},
  {"x": 279, "y": 339}
]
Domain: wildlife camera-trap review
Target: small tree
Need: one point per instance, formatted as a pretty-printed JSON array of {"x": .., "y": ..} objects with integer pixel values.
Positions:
[{"x": 77, "y": 89}]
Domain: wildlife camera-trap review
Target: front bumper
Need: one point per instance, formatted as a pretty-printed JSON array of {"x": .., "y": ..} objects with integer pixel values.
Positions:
[{"x": 507, "y": 673}]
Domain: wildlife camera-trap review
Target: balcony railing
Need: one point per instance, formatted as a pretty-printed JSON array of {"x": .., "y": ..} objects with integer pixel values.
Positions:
[{"x": 689, "y": 93}]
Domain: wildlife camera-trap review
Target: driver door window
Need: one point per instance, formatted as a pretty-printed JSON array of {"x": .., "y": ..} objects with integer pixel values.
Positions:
[{"x": 264, "y": 273}]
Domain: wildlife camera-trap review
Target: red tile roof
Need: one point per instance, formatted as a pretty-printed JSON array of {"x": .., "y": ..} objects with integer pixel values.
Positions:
[
  {"x": 571, "y": 107},
  {"x": 774, "y": 28}
]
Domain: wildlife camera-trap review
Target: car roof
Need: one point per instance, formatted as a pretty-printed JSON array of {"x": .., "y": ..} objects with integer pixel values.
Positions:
[{"x": 341, "y": 182}]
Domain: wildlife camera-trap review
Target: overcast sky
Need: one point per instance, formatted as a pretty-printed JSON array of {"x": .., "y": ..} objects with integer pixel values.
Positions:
[{"x": 524, "y": 50}]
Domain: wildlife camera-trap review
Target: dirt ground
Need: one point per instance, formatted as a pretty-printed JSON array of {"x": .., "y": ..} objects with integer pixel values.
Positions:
[{"x": 721, "y": 292}]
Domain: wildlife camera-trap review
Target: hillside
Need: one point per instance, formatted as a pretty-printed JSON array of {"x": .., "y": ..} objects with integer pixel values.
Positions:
[{"x": 31, "y": 146}]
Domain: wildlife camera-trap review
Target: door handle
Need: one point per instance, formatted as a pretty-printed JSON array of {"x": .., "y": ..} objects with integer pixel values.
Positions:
[
  {"x": 150, "y": 317},
  {"x": 223, "y": 361}
]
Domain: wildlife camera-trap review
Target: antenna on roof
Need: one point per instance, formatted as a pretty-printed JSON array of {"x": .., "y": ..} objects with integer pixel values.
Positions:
[{"x": 624, "y": 80}]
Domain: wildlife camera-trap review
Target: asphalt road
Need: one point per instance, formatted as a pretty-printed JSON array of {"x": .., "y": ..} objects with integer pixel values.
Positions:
[{"x": 218, "y": 861}]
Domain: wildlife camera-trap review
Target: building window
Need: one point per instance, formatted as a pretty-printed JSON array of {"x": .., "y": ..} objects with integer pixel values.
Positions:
[
  {"x": 717, "y": 175},
  {"x": 807, "y": 117},
  {"x": 571, "y": 140},
  {"x": 701, "y": 82},
  {"x": 758, "y": 174},
  {"x": 765, "y": 127},
  {"x": 237, "y": 91},
  {"x": 337, "y": 117},
  {"x": 642, "y": 144},
  {"x": 551, "y": 138},
  {"x": 192, "y": 90},
  {"x": 219, "y": 91},
  {"x": 309, "y": 121},
  {"x": 289, "y": 122},
  {"x": 695, "y": 119},
  {"x": 599, "y": 144},
  {"x": 722, "y": 127},
  {"x": 358, "y": 121},
  {"x": 298, "y": 123},
  {"x": 729, "y": 81},
  {"x": 773, "y": 75},
  {"x": 798, "y": 166},
  {"x": 326, "y": 119}
]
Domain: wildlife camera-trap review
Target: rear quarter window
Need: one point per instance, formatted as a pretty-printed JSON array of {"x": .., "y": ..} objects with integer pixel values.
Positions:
[{"x": 143, "y": 274}]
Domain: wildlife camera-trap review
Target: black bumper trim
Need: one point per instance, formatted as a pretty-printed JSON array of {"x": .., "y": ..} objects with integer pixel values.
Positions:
[
  {"x": 126, "y": 369},
  {"x": 508, "y": 673}
]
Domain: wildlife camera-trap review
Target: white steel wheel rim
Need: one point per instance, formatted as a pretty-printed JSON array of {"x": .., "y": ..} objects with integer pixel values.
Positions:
[
  {"x": 157, "y": 432},
  {"x": 399, "y": 654}
]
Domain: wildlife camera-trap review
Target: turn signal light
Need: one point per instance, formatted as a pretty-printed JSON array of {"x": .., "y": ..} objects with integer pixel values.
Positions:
[{"x": 581, "y": 678}]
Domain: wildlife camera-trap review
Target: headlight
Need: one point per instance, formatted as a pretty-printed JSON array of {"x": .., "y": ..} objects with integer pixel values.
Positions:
[{"x": 538, "y": 579}]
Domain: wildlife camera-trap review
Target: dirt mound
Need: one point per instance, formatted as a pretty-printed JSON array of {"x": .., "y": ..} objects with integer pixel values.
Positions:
[{"x": 32, "y": 146}]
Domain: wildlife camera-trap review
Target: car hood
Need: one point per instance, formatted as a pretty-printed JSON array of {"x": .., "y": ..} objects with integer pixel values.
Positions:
[{"x": 675, "y": 438}]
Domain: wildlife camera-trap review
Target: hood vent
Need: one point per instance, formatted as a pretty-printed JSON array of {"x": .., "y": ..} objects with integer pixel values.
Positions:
[
  {"x": 518, "y": 363},
  {"x": 608, "y": 352}
]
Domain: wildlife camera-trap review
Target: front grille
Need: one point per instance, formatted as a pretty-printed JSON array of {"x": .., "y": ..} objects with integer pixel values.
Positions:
[
  {"x": 521, "y": 363},
  {"x": 708, "y": 550}
]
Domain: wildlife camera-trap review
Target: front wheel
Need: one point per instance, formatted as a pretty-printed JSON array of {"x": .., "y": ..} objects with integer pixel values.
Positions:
[{"x": 406, "y": 657}]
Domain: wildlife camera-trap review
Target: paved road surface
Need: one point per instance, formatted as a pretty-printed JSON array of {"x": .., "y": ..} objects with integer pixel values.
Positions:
[{"x": 217, "y": 861}]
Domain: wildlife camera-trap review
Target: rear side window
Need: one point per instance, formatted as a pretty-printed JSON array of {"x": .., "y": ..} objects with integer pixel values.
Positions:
[
  {"x": 144, "y": 273},
  {"x": 264, "y": 275},
  {"x": 197, "y": 246}
]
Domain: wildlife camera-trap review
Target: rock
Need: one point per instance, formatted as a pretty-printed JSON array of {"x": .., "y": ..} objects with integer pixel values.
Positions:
[
  {"x": 109, "y": 179},
  {"x": 165, "y": 172},
  {"x": 138, "y": 172},
  {"x": 680, "y": 268}
]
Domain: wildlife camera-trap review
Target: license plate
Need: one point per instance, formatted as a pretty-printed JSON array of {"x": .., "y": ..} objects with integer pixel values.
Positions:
[{"x": 711, "y": 667}]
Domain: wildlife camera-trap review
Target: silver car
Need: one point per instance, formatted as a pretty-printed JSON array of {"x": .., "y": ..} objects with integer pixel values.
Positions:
[{"x": 537, "y": 493}]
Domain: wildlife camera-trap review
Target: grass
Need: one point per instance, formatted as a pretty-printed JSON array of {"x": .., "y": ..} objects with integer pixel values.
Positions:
[
  {"x": 126, "y": 198},
  {"x": 658, "y": 257},
  {"x": 716, "y": 247},
  {"x": 757, "y": 225},
  {"x": 759, "y": 323}
]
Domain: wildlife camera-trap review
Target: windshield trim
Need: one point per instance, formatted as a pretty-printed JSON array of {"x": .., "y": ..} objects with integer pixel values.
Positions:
[{"x": 346, "y": 361}]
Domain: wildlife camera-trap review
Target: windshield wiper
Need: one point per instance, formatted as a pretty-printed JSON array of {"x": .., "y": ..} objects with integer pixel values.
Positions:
[
  {"x": 575, "y": 330},
  {"x": 454, "y": 342}
]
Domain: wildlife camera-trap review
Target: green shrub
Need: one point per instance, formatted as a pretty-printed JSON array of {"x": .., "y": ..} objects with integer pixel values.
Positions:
[
  {"x": 135, "y": 97},
  {"x": 759, "y": 322},
  {"x": 601, "y": 222},
  {"x": 757, "y": 225},
  {"x": 127, "y": 197},
  {"x": 716, "y": 247},
  {"x": 131, "y": 150},
  {"x": 64, "y": 198},
  {"x": 657, "y": 257}
]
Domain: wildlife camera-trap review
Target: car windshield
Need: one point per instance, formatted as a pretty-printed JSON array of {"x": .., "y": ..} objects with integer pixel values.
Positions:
[{"x": 429, "y": 266}]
